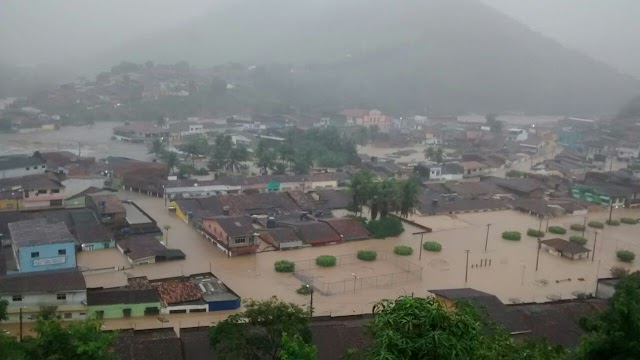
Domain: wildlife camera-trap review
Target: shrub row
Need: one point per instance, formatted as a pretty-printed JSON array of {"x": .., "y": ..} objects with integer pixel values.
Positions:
[
  {"x": 432, "y": 246},
  {"x": 511, "y": 235},
  {"x": 557, "y": 230},
  {"x": 535, "y": 233},
  {"x": 386, "y": 227},
  {"x": 367, "y": 255},
  {"x": 613, "y": 222},
  {"x": 596, "y": 224},
  {"x": 626, "y": 255},
  {"x": 629, "y": 221},
  {"x": 402, "y": 250},
  {"x": 284, "y": 266},
  {"x": 578, "y": 239},
  {"x": 326, "y": 260},
  {"x": 577, "y": 227}
]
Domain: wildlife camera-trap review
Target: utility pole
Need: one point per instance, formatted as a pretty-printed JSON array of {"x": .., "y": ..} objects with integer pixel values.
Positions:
[
  {"x": 486, "y": 240},
  {"x": 547, "y": 228},
  {"x": 584, "y": 226},
  {"x": 595, "y": 241},
  {"x": 79, "y": 149},
  {"x": 610, "y": 209},
  {"x": 20, "y": 324},
  {"x": 466, "y": 270},
  {"x": 421, "y": 233},
  {"x": 310, "y": 287},
  {"x": 539, "y": 245}
]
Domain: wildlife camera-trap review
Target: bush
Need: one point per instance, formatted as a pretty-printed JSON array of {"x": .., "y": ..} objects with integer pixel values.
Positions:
[
  {"x": 326, "y": 260},
  {"x": 367, "y": 255},
  {"x": 557, "y": 230},
  {"x": 432, "y": 246},
  {"x": 535, "y": 233},
  {"x": 304, "y": 290},
  {"x": 386, "y": 227},
  {"x": 402, "y": 250},
  {"x": 613, "y": 222},
  {"x": 511, "y": 235},
  {"x": 618, "y": 272},
  {"x": 577, "y": 227},
  {"x": 596, "y": 224},
  {"x": 284, "y": 266},
  {"x": 626, "y": 255},
  {"x": 629, "y": 221},
  {"x": 578, "y": 239}
]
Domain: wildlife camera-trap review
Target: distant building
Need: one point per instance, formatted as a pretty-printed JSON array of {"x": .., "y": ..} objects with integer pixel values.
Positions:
[
  {"x": 37, "y": 191},
  {"x": 40, "y": 246},
  {"x": 564, "y": 248},
  {"x": 108, "y": 208},
  {"x": 474, "y": 168},
  {"x": 124, "y": 302},
  {"x": 367, "y": 118},
  {"x": 233, "y": 235},
  {"x": 140, "y": 132},
  {"x": 515, "y": 134},
  {"x": 20, "y": 165}
]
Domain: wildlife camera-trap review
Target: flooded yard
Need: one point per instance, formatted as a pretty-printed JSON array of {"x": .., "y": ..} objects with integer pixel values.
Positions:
[{"x": 507, "y": 269}]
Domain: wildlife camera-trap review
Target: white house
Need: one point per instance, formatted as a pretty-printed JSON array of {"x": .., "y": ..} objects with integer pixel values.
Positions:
[
  {"x": 65, "y": 290},
  {"x": 20, "y": 165},
  {"x": 624, "y": 153},
  {"x": 516, "y": 134}
]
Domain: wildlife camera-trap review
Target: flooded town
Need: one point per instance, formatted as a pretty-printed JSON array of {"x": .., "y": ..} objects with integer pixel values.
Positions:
[{"x": 295, "y": 206}]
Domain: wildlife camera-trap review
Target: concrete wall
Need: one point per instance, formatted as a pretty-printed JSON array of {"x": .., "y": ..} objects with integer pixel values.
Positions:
[
  {"x": 48, "y": 258},
  {"x": 116, "y": 311},
  {"x": 72, "y": 306}
]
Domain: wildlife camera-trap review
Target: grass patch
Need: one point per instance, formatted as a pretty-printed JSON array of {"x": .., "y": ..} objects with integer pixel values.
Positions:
[
  {"x": 577, "y": 227},
  {"x": 613, "y": 223},
  {"x": 284, "y": 266},
  {"x": 511, "y": 235},
  {"x": 557, "y": 230},
  {"x": 367, "y": 255},
  {"x": 596, "y": 224},
  {"x": 386, "y": 227},
  {"x": 535, "y": 233},
  {"x": 578, "y": 239},
  {"x": 628, "y": 221},
  {"x": 326, "y": 260},
  {"x": 432, "y": 246},
  {"x": 626, "y": 255},
  {"x": 402, "y": 250}
]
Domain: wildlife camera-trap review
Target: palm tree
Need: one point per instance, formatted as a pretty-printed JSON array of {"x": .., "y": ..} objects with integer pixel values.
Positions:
[
  {"x": 166, "y": 234},
  {"x": 264, "y": 158},
  {"x": 161, "y": 121},
  {"x": 408, "y": 193},
  {"x": 171, "y": 159},
  {"x": 156, "y": 147},
  {"x": 439, "y": 156},
  {"x": 237, "y": 156},
  {"x": 361, "y": 188},
  {"x": 430, "y": 152},
  {"x": 387, "y": 194}
]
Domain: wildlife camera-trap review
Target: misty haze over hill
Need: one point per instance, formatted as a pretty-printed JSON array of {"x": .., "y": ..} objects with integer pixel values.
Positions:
[{"x": 406, "y": 56}]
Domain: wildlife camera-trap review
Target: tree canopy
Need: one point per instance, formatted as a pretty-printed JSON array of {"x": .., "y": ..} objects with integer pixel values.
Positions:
[
  {"x": 258, "y": 332},
  {"x": 422, "y": 328},
  {"x": 615, "y": 333}
]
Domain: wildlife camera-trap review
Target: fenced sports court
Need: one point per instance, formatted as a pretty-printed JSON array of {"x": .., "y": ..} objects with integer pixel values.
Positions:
[{"x": 353, "y": 275}]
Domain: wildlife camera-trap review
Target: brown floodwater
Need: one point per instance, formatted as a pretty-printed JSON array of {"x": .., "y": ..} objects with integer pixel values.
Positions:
[{"x": 511, "y": 275}]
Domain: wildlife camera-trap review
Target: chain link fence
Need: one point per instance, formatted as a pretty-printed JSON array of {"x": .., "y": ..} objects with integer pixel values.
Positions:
[{"x": 407, "y": 271}]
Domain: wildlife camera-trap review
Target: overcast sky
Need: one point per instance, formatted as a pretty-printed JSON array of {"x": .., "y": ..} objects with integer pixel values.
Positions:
[{"x": 51, "y": 31}]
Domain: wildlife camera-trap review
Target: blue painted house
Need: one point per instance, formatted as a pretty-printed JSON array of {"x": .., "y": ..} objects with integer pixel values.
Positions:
[{"x": 40, "y": 246}]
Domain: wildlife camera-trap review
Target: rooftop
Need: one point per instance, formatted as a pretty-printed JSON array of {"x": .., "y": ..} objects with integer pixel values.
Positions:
[
  {"x": 31, "y": 182},
  {"x": 43, "y": 281},
  {"x": 19, "y": 161},
  {"x": 348, "y": 228},
  {"x": 176, "y": 291},
  {"x": 235, "y": 225},
  {"x": 141, "y": 127},
  {"x": 39, "y": 232},
  {"x": 312, "y": 231},
  {"x": 107, "y": 204},
  {"x": 138, "y": 247},
  {"x": 212, "y": 288},
  {"x": 134, "y": 215},
  {"x": 334, "y": 199},
  {"x": 156, "y": 344},
  {"x": 564, "y": 246},
  {"x": 283, "y": 235},
  {"x": 472, "y": 165},
  {"x": 117, "y": 296}
]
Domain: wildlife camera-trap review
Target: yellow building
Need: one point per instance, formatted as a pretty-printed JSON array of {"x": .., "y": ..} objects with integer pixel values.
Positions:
[{"x": 10, "y": 201}]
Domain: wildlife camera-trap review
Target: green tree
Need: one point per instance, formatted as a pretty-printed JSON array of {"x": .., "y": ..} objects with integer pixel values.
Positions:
[
  {"x": 360, "y": 185},
  {"x": 383, "y": 197},
  {"x": 75, "y": 341},
  {"x": 362, "y": 135},
  {"x": 220, "y": 152},
  {"x": 493, "y": 122},
  {"x": 279, "y": 168},
  {"x": 195, "y": 148},
  {"x": 161, "y": 121},
  {"x": 4, "y": 304},
  {"x": 422, "y": 328},
  {"x": 374, "y": 131},
  {"x": 156, "y": 147},
  {"x": 302, "y": 162},
  {"x": 171, "y": 159},
  {"x": 257, "y": 332},
  {"x": 408, "y": 193},
  {"x": 294, "y": 348},
  {"x": 237, "y": 156},
  {"x": 264, "y": 158},
  {"x": 614, "y": 333}
]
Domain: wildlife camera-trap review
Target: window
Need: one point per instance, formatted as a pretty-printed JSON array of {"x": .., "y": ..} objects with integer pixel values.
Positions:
[
  {"x": 61, "y": 296},
  {"x": 43, "y": 166},
  {"x": 62, "y": 252},
  {"x": 126, "y": 313},
  {"x": 67, "y": 315},
  {"x": 35, "y": 254},
  {"x": 40, "y": 192},
  {"x": 241, "y": 240},
  {"x": 99, "y": 315},
  {"x": 16, "y": 298},
  {"x": 151, "y": 311},
  {"x": 106, "y": 245},
  {"x": 55, "y": 191},
  {"x": 26, "y": 168}
]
